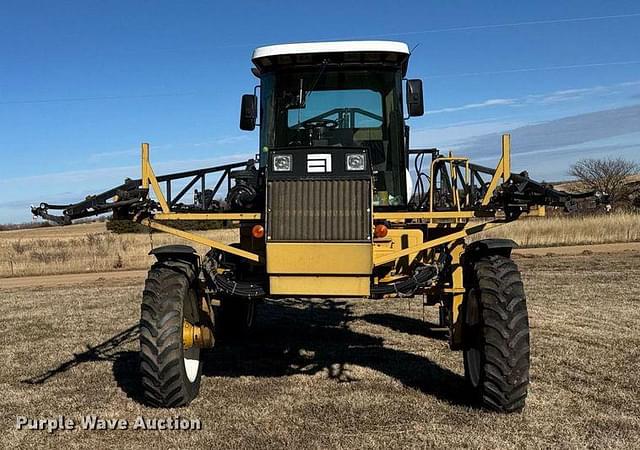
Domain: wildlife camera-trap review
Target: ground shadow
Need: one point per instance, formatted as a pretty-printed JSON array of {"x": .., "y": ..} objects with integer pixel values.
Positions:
[
  {"x": 125, "y": 363},
  {"x": 126, "y": 372},
  {"x": 108, "y": 350},
  {"x": 407, "y": 325},
  {"x": 294, "y": 336}
]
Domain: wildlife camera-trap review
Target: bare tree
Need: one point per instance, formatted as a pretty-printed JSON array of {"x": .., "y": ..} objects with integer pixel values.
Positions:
[{"x": 607, "y": 175}]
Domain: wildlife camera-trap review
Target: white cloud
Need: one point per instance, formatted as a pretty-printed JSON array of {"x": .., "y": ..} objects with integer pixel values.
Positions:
[
  {"x": 460, "y": 132},
  {"x": 559, "y": 96},
  {"x": 233, "y": 139},
  {"x": 571, "y": 130},
  {"x": 545, "y": 149},
  {"x": 485, "y": 104}
]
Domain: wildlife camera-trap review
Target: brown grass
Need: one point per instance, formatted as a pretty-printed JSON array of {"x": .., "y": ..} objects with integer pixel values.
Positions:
[
  {"x": 569, "y": 230},
  {"x": 91, "y": 248},
  {"x": 338, "y": 374},
  {"x": 83, "y": 248}
]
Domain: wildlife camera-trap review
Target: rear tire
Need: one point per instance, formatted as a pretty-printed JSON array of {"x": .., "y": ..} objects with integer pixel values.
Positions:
[
  {"x": 170, "y": 374},
  {"x": 496, "y": 335}
]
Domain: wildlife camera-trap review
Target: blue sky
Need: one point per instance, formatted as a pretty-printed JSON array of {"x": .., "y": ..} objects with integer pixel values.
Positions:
[{"x": 82, "y": 83}]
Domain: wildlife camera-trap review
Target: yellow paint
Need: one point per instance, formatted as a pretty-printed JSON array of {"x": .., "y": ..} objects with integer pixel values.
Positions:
[
  {"x": 457, "y": 283},
  {"x": 468, "y": 229},
  {"x": 506, "y": 156},
  {"x": 319, "y": 258},
  {"x": 323, "y": 285},
  {"x": 156, "y": 189},
  {"x": 536, "y": 211},
  {"x": 394, "y": 242},
  {"x": 196, "y": 336},
  {"x": 503, "y": 171},
  {"x": 145, "y": 163},
  {"x": 497, "y": 176},
  {"x": 148, "y": 176}
]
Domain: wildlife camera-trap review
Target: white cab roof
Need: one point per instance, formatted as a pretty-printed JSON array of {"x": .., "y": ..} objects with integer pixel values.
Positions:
[{"x": 331, "y": 47}]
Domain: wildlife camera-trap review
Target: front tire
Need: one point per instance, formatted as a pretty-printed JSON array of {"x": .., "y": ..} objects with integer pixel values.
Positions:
[
  {"x": 170, "y": 373},
  {"x": 496, "y": 335}
]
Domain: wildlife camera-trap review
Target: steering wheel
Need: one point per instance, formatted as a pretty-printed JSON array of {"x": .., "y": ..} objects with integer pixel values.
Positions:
[{"x": 319, "y": 123}]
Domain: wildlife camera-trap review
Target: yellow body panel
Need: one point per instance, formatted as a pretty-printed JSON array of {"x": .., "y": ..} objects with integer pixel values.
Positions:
[
  {"x": 322, "y": 285},
  {"x": 319, "y": 258},
  {"x": 398, "y": 239},
  {"x": 319, "y": 268}
]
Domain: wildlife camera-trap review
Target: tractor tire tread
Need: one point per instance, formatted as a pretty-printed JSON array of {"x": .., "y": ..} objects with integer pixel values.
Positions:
[
  {"x": 161, "y": 338},
  {"x": 505, "y": 334}
]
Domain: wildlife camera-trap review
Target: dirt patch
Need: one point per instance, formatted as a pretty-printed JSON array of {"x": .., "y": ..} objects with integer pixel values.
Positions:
[
  {"x": 72, "y": 279},
  {"x": 579, "y": 249}
]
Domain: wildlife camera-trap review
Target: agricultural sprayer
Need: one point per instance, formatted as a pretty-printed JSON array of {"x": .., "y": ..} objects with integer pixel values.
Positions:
[{"x": 336, "y": 204}]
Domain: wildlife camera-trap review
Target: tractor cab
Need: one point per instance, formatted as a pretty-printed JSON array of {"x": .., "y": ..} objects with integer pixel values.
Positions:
[{"x": 342, "y": 100}]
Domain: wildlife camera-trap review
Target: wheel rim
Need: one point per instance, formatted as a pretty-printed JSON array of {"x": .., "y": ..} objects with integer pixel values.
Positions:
[
  {"x": 191, "y": 362},
  {"x": 191, "y": 356}
]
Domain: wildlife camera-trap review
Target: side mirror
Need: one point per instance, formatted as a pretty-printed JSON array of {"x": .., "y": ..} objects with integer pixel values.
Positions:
[
  {"x": 415, "y": 102},
  {"x": 248, "y": 112}
]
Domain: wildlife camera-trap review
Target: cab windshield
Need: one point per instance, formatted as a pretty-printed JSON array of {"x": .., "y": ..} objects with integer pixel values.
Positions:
[{"x": 348, "y": 108}]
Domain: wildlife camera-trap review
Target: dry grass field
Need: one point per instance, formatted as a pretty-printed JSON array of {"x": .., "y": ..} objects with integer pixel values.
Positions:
[
  {"x": 91, "y": 248},
  {"x": 570, "y": 230},
  {"x": 334, "y": 374},
  {"x": 83, "y": 248}
]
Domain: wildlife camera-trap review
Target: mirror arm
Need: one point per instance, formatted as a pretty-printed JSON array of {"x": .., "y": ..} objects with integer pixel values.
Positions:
[
  {"x": 255, "y": 92},
  {"x": 404, "y": 103}
]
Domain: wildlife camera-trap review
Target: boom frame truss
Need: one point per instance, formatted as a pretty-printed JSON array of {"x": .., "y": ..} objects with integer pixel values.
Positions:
[{"x": 460, "y": 201}]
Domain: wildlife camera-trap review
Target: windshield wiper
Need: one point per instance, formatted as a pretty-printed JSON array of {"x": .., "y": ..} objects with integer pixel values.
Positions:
[
  {"x": 303, "y": 101},
  {"x": 313, "y": 86}
]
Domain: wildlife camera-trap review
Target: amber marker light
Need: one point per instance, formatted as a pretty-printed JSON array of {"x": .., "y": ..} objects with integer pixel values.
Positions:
[
  {"x": 380, "y": 231},
  {"x": 257, "y": 231}
]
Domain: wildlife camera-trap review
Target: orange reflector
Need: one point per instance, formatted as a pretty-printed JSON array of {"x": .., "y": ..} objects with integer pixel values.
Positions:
[
  {"x": 380, "y": 231},
  {"x": 257, "y": 231}
]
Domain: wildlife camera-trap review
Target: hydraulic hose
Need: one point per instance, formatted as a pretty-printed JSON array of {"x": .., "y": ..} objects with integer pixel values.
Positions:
[
  {"x": 238, "y": 288},
  {"x": 406, "y": 286}
]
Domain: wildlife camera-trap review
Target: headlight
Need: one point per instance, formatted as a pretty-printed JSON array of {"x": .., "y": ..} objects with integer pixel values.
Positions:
[
  {"x": 282, "y": 163},
  {"x": 356, "y": 161}
]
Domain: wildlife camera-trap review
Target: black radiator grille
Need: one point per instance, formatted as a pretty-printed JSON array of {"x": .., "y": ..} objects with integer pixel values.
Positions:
[{"x": 319, "y": 210}]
